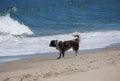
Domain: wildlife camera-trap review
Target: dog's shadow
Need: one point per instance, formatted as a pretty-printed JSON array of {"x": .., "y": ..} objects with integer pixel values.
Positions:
[{"x": 54, "y": 58}]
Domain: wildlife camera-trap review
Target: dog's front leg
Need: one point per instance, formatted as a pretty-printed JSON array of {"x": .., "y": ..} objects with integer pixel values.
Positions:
[
  {"x": 75, "y": 53},
  {"x": 63, "y": 53},
  {"x": 59, "y": 55}
]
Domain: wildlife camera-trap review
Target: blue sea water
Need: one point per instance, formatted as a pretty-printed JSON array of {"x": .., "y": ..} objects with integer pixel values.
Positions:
[
  {"x": 44, "y": 17},
  {"x": 27, "y": 26}
]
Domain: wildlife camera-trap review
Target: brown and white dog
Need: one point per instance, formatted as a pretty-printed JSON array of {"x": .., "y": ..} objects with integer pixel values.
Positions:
[{"x": 62, "y": 46}]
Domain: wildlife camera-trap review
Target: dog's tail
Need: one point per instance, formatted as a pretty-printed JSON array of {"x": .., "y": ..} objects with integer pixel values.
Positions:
[{"x": 78, "y": 37}]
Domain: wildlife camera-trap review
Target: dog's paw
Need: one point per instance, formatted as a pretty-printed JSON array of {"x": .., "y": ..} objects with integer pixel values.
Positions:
[{"x": 58, "y": 58}]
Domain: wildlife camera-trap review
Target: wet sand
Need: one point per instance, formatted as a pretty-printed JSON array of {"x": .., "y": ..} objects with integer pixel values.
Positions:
[{"x": 103, "y": 65}]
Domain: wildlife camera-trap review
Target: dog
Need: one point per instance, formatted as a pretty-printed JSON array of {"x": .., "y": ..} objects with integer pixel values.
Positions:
[{"x": 63, "y": 46}]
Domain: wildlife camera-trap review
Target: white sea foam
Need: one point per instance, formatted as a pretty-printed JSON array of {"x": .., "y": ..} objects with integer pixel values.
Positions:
[
  {"x": 13, "y": 27},
  {"x": 10, "y": 45}
]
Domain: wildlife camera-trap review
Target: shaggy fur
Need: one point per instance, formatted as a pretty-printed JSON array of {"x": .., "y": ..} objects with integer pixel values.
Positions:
[{"x": 62, "y": 46}]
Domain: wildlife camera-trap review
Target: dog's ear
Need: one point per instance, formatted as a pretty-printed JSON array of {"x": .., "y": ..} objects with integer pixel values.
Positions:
[
  {"x": 56, "y": 40},
  {"x": 53, "y": 43}
]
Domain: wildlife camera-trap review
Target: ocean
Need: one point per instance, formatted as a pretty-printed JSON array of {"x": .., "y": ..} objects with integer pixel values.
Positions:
[{"x": 28, "y": 26}]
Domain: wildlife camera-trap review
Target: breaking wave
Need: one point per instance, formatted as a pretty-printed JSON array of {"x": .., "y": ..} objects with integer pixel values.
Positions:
[{"x": 13, "y": 27}]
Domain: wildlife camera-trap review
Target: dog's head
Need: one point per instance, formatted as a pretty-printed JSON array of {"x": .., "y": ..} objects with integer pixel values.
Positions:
[{"x": 53, "y": 43}]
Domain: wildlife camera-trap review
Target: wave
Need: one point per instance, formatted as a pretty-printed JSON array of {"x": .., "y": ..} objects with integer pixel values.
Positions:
[
  {"x": 13, "y": 27},
  {"x": 9, "y": 10},
  {"x": 13, "y": 9},
  {"x": 11, "y": 45}
]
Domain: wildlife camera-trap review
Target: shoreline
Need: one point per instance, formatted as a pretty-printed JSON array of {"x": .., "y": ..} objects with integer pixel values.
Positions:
[
  {"x": 8, "y": 59},
  {"x": 48, "y": 68}
]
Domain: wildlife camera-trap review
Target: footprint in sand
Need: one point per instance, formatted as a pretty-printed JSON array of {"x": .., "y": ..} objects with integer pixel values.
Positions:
[{"x": 7, "y": 79}]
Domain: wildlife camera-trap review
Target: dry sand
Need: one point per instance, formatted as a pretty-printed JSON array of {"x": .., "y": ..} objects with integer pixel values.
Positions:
[{"x": 95, "y": 66}]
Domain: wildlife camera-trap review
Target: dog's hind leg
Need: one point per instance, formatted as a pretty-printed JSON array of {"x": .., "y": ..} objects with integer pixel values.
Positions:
[{"x": 75, "y": 49}]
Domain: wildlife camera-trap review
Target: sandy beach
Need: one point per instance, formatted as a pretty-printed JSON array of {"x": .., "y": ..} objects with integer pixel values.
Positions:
[
  {"x": 103, "y": 65},
  {"x": 33, "y": 32}
]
